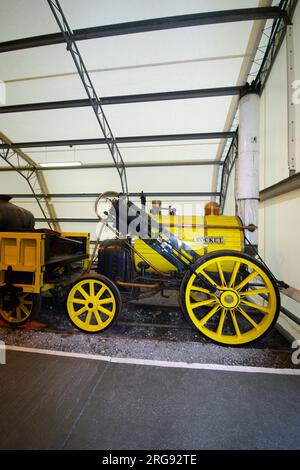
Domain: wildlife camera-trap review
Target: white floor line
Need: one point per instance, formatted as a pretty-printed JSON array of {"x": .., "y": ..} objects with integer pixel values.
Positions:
[{"x": 149, "y": 362}]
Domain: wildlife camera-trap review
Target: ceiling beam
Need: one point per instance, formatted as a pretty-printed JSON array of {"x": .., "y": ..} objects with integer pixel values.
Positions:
[
  {"x": 142, "y": 26},
  {"x": 94, "y": 195},
  {"x": 96, "y": 166},
  {"x": 35, "y": 180},
  {"x": 123, "y": 140},
  {"x": 71, "y": 220},
  {"x": 125, "y": 99}
]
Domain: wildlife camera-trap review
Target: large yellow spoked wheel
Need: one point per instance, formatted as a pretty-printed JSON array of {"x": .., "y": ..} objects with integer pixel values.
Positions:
[
  {"x": 93, "y": 303},
  {"x": 28, "y": 307},
  {"x": 233, "y": 299}
]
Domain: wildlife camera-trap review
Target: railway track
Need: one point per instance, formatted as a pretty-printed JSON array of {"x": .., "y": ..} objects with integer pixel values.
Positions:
[{"x": 162, "y": 323}]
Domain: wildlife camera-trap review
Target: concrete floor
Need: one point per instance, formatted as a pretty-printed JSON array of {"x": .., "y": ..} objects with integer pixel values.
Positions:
[
  {"x": 58, "y": 402},
  {"x": 55, "y": 402}
]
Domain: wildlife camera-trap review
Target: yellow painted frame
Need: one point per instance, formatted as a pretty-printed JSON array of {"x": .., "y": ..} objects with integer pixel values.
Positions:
[{"x": 25, "y": 252}]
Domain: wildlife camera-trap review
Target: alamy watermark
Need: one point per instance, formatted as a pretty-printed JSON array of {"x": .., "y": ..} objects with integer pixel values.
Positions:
[
  {"x": 296, "y": 354},
  {"x": 130, "y": 219},
  {"x": 2, "y": 353},
  {"x": 296, "y": 92}
]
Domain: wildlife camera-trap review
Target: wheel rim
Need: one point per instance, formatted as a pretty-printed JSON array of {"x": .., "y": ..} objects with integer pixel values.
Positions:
[
  {"x": 91, "y": 305},
  {"x": 233, "y": 311},
  {"x": 21, "y": 313}
]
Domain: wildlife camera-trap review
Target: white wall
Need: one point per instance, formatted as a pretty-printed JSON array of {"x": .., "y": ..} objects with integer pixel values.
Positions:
[
  {"x": 279, "y": 217},
  {"x": 273, "y": 124}
]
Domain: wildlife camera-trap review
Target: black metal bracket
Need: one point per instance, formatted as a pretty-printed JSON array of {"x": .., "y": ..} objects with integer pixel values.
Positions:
[{"x": 10, "y": 293}]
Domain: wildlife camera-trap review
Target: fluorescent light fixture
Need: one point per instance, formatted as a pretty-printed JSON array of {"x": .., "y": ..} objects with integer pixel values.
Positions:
[{"x": 59, "y": 164}]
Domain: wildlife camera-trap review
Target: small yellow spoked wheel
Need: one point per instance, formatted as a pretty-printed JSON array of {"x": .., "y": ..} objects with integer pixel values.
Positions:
[
  {"x": 93, "y": 303},
  {"x": 232, "y": 300},
  {"x": 28, "y": 306}
]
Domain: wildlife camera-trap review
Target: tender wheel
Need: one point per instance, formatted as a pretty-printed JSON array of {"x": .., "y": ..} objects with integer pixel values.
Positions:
[
  {"x": 29, "y": 306},
  {"x": 233, "y": 301},
  {"x": 93, "y": 303}
]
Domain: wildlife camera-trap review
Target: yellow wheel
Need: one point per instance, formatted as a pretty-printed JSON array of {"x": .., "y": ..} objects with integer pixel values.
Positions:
[
  {"x": 93, "y": 303},
  {"x": 28, "y": 306},
  {"x": 232, "y": 300}
]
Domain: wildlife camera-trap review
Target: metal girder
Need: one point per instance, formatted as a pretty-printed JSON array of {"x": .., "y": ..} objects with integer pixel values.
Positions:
[
  {"x": 92, "y": 95},
  {"x": 276, "y": 38},
  {"x": 124, "y": 140},
  {"x": 125, "y": 99},
  {"x": 94, "y": 166},
  {"x": 34, "y": 177},
  {"x": 142, "y": 26},
  {"x": 73, "y": 220},
  {"x": 94, "y": 195},
  {"x": 227, "y": 168}
]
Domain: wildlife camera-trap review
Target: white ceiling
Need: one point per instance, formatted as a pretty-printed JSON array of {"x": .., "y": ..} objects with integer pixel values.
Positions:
[
  {"x": 31, "y": 17},
  {"x": 179, "y": 59}
]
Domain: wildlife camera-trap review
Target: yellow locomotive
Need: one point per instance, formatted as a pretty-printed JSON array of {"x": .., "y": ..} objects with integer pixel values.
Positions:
[{"x": 225, "y": 293}]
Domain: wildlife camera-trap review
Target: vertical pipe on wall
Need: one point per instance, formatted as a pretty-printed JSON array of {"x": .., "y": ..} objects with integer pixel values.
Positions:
[
  {"x": 291, "y": 107},
  {"x": 247, "y": 190}
]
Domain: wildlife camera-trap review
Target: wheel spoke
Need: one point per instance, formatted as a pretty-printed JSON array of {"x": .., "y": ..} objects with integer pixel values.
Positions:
[
  {"x": 248, "y": 293},
  {"x": 88, "y": 317},
  {"x": 201, "y": 289},
  {"x": 234, "y": 273},
  {"x": 100, "y": 292},
  {"x": 246, "y": 280},
  {"x": 235, "y": 323},
  {"x": 105, "y": 310},
  {"x": 98, "y": 317},
  {"x": 92, "y": 288},
  {"x": 79, "y": 301},
  {"x": 109, "y": 300},
  {"x": 79, "y": 312},
  {"x": 255, "y": 306},
  {"x": 208, "y": 278},
  {"x": 210, "y": 314},
  {"x": 84, "y": 294},
  {"x": 221, "y": 274},
  {"x": 25, "y": 310},
  {"x": 250, "y": 320},
  {"x": 221, "y": 322},
  {"x": 202, "y": 303},
  {"x": 18, "y": 314}
]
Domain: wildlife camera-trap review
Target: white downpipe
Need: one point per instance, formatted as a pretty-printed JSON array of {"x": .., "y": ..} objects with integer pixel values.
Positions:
[{"x": 247, "y": 190}]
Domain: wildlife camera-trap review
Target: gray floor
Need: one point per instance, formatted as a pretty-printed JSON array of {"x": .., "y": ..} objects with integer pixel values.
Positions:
[{"x": 52, "y": 402}]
